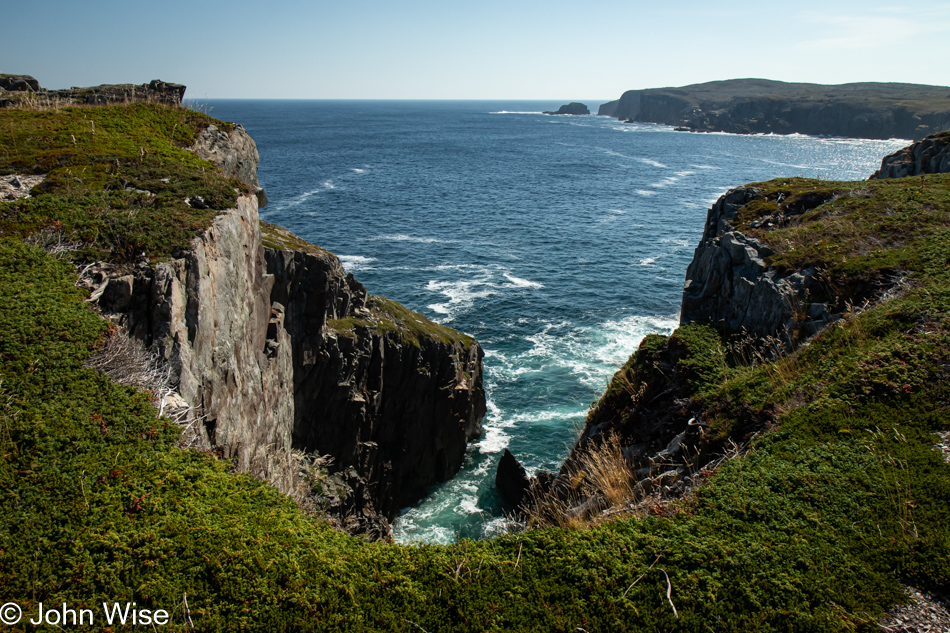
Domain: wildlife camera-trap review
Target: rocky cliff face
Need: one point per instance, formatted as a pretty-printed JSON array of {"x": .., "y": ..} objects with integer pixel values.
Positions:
[
  {"x": 929, "y": 156},
  {"x": 750, "y": 106},
  {"x": 376, "y": 386},
  {"x": 274, "y": 350},
  {"x": 728, "y": 284}
]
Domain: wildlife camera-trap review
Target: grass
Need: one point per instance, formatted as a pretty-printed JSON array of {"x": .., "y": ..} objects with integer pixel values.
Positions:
[
  {"x": 385, "y": 316},
  {"x": 813, "y": 529},
  {"x": 117, "y": 178}
]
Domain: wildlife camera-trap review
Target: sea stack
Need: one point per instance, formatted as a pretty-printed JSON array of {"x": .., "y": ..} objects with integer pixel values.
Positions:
[{"x": 571, "y": 108}]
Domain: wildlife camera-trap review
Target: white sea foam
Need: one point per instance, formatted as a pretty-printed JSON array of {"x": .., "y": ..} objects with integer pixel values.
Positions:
[
  {"x": 328, "y": 184},
  {"x": 462, "y": 293},
  {"x": 353, "y": 263},
  {"x": 518, "y": 282},
  {"x": 646, "y": 192},
  {"x": 652, "y": 163},
  {"x": 357, "y": 170},
  {"x": 699, "y": 166},
  {"x": 401, "y": 237},
  {"x": 648, "y": 261},
  {"x": 617, "y": 211}
]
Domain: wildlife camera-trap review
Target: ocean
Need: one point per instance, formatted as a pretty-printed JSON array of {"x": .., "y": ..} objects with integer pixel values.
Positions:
[{"x": 558, "y": 242}]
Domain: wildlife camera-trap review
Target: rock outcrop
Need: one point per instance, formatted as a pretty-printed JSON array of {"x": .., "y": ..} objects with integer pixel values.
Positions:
[
  {"x": 759, "y": 106},
  {"x": 275, "y": 352},
  {"x": 19, "y": 83},
  {"x": 234, "y": 152},
  {"x": 929, "y": 156},
  {"x": 376, "y": 386},
  {"x": 571, "y": 108},
  {"x": 511, "y": 481},
  {"x": 15, "y": 88},
  {"x": 729, "y": 285}
]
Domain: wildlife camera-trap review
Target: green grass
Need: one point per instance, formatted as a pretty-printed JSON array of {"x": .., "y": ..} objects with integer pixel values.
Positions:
[
  {"x": 116, "y": 178},
  {"x": 814, "y": 530}
]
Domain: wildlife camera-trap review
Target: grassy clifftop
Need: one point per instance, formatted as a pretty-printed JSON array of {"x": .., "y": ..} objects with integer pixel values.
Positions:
[
  {"x": 812, "y": 530},
  {"x": 116, "y": 178}
]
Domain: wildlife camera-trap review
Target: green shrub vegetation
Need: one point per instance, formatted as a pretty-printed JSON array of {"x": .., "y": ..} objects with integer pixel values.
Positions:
[
  {"x": 813, "y": 530},
  {"x": 116, "y": 178}
]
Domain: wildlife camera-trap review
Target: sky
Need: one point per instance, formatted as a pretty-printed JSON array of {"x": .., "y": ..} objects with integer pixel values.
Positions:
[{"x": 486, "y": 49}]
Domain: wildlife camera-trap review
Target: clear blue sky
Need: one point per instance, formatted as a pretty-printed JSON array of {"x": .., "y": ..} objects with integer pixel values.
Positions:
[{"x": 481, "y": 49}]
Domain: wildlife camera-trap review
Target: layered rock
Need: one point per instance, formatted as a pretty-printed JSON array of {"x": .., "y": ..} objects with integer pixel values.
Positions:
[
  {"x": 573, "y": 108},
  {"x": 929, "y": 156},
  {"x": 758, "y": 106}
]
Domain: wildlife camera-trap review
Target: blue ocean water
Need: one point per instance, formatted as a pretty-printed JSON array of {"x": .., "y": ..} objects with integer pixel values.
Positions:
[{"x": 558, "y": 242}]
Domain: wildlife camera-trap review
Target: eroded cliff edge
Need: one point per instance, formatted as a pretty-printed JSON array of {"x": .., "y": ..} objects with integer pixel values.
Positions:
[
  {"x": 805, "y": 301},
  {"x": 280, "y": 357}
]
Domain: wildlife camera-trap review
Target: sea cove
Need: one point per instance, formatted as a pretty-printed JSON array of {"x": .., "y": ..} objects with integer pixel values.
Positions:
[{"x": 558, "y": 242}]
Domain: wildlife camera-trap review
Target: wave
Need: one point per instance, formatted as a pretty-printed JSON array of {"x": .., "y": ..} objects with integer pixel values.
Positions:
[
  {"x": 401, "y": 237},
  {"x": 652, "y": 163},
  {"x": 462, "y": 293},
  {"x": 353, "y": 263}
]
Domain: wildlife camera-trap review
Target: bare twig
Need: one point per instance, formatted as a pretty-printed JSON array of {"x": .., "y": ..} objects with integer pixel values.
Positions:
[
  {"x": 415, "y": 625},
  {"x": 669, "y": 590},
  {"x": 640, "y": 577},
  {"x": 184, "y": 600}
]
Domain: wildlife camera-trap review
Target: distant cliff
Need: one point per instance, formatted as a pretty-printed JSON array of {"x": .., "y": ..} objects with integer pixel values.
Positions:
[{"x": 757, "y": 106}]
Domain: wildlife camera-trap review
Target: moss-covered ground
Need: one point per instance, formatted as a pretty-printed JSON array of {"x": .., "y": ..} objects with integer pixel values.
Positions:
[{"x": 813, "y": 530}]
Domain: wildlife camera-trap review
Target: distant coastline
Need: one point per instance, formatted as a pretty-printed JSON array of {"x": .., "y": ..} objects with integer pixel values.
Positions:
[{"x": 757, "y": 106}]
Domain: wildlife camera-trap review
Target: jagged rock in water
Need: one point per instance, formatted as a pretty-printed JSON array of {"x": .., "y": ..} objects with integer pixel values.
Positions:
[
  {"x": 574, "y": 108},
  {"x": 929, "y": 156},
  {"x": 511, "y": 480}
]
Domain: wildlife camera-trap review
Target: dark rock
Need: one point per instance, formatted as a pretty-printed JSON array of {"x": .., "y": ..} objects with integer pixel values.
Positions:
[
  {"x": 19, "y": 83},
  {"x": 571, "y": 108},
  {"x": 928, "y": 156},
  {"x": 156, "y": 91},
  {"x": 511, "y": 481}
]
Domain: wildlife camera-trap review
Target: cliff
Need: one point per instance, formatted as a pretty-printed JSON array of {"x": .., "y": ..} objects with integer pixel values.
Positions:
[
  {"x": 803, "y": 297},
  {"x": 821, "y": 492},
  {"x": 275, "y": 357},
  {"x": 929, "y": 156},
  {"x": 760, "y": 106}
]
